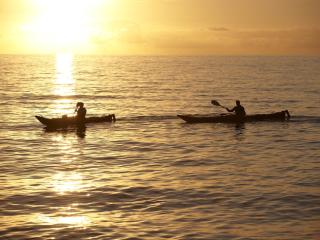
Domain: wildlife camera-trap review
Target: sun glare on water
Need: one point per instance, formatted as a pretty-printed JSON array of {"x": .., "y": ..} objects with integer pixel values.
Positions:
[{"x": 64, "y": 68}]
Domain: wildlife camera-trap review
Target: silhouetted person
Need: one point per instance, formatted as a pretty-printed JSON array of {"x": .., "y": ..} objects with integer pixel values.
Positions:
[
  {"x": 238, "y": 109},
  {"x": 81, "y": 111}
]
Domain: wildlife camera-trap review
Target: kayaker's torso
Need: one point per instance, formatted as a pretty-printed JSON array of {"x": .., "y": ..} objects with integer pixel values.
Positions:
[
  {"x": 81, "y": 113},
  {"x": 239, "y": 111}
]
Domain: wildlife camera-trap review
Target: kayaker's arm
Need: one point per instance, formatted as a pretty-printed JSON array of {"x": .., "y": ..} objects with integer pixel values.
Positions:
[{"x": 230, "y": 110}]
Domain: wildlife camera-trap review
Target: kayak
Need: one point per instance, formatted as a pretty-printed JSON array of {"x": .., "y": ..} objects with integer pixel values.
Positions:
[
  {"x": 231, "y": 118},
  {"x": 65, "y": 121}
]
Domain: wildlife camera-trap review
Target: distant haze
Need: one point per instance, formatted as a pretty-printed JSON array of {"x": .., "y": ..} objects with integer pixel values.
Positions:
[{"x": 161, "y": 27}]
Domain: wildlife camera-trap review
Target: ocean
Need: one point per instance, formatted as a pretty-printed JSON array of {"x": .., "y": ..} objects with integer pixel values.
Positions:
[{"x": 149, "y": 175}]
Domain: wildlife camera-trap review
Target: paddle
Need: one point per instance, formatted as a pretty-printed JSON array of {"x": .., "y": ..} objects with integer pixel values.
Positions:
[{"x": 216, "y": 103}]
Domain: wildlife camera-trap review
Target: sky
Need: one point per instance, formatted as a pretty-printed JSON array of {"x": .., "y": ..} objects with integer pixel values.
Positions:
[{"x": 160, "y": 27}]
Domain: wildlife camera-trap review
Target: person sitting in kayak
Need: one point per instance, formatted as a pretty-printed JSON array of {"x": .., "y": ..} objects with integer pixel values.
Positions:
[
  {"x": 81, "y": 111},
  {"x": 238, "y": 109}
]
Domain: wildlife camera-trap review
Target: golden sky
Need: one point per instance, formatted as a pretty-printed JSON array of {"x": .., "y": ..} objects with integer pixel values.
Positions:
[{"x": 161, "y": 27}]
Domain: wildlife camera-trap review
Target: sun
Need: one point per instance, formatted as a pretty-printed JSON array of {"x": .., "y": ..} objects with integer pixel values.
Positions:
[{"x": 64, "y": 24}]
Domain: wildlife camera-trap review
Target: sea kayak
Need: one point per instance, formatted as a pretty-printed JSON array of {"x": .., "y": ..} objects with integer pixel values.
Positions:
[
  {"x": 65, "y": 121},
  {"x": 231, "y": 118}
]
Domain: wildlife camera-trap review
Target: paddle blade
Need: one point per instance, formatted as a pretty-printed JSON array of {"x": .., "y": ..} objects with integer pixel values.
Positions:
[{"x": 215, "y": 102}]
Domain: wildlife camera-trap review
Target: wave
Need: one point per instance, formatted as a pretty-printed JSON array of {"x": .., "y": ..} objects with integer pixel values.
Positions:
[
  {"x": 50, "y": 97},
  {"x": 305, "y": 119},
  {"x": 147, "y": 118},
  {"x": 34, "y": 98}
]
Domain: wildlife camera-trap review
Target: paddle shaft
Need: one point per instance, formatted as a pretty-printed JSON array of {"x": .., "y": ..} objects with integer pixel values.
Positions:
[
  {"x": 224, "y": 107},
  {"x": 216, "y": 103}
]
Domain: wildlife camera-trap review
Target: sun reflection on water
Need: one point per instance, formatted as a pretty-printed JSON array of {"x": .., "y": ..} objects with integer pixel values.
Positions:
[
  {"x": 64, "y": 81},
  {"x": 64, "y": 68},
  {"x": 67, "y": 216},
  {"x": 63, "y": 107},
  {"x": 70, "y": 215},
  {"x": 64, "y": 84},
  {"x": 67, "y": 182},
  {"x": 79, "y": 221}
]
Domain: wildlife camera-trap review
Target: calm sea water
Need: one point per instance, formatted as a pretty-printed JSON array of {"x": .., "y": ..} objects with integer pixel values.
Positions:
[{"x": 149, "y": 175}]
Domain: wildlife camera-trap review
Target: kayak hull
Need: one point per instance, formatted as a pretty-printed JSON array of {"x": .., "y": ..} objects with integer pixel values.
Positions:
[
  {"x": 231, "y": 118},
  {"x": 72, "y": 121}
]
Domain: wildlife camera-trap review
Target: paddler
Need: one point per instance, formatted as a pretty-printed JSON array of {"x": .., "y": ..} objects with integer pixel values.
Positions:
[
  {"x": 81, "y": 111},
  {"x": 238, "y": 109}
]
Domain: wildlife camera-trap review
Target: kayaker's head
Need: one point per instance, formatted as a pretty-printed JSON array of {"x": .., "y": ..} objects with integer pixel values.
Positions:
[
  {"x": 238, "y": 102},
  {"x": 80, "y": 104}
]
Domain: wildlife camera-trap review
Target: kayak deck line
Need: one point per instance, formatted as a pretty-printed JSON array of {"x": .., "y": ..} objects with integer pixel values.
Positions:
[
  {"x": 232, "y": 118},
  {"x": 69, "y": 121}
]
